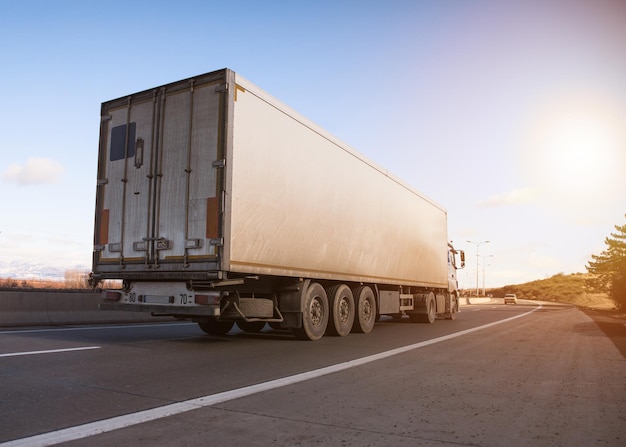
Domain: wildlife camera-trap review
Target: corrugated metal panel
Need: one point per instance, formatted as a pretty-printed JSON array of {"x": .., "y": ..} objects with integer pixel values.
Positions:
[{"x": 158, "y": 187}]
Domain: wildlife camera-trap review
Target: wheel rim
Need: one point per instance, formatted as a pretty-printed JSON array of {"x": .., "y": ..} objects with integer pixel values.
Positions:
[
  {"x": 316, "y": 311},
  {"x": 344, "y": 311},
  {"x": 367, "y": 310}
]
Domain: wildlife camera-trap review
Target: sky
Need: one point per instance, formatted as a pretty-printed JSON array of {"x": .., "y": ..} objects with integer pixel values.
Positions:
[{"x": 510, "y": 114}]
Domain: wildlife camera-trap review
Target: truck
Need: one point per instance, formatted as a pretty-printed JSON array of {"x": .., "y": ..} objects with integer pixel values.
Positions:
[{"x": 218, "y": 204}]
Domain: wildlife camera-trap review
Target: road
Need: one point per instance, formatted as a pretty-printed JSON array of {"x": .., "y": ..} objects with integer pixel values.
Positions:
[{"x": 497, "y": 375}]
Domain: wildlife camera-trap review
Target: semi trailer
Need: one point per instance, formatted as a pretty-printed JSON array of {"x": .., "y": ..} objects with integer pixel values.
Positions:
[{"x": 219, "y": 204}]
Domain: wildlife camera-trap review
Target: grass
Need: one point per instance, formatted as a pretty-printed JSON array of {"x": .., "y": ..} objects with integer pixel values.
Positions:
[
  {"x": 559, "y": 288},
  {"x": 71, "y": 282},
  {"x": 11, "y": 283}
]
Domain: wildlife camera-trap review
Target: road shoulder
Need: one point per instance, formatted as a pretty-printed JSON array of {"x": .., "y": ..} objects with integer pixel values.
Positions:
[{"x": 612, "y": 323}]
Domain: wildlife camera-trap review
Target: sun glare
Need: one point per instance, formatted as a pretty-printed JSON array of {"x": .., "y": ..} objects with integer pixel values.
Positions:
[
  {"x": 575, "y": 153},
  {"x": 581, "y": 148}
]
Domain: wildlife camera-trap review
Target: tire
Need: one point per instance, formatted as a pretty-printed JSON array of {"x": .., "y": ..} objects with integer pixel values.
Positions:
[
  {"x": 315, "y": 314},
  {"x": 341, "y": 306},
  {"x": 454, "y": 307},
  {"x": 365, "y": 305},
  {"x": 430, "y": 316},
  {"x": 250, "y": 326},
  {"x": 214, "y": 327}
]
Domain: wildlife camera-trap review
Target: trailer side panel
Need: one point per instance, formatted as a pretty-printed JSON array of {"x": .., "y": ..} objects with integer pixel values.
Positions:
[{"x": 303, "y": 204}]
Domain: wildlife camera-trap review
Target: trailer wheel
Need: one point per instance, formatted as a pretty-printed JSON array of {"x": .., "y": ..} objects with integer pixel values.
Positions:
[
  {"x": 454, "y": 307},
  {"x": 250, "y": 326},
  {"x": 365, "y": 315},
  {"x": 214, "y": 327},
  {"x": 315, "y": 315},
  {"x": 341, "y": 305}
]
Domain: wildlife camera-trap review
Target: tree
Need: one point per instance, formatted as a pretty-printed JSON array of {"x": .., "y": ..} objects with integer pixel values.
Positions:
[
  {"x": 76, "y": 279},
  {"x": 609, "y": 267}
]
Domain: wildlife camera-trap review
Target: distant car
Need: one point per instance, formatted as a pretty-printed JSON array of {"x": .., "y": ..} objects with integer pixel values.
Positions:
[{"x": 510, "y": 298}]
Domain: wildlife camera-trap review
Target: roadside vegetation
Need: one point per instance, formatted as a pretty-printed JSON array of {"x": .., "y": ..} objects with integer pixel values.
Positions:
[
  {"x": 608, "y": 269},
  {"x": 73, "y": 280},
  {"x": 603, "y": 287},
  {"x": 561, "y": 288}
]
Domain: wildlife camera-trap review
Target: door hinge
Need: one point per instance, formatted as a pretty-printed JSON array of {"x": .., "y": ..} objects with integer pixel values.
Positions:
[{"x": 217, "y": 242}]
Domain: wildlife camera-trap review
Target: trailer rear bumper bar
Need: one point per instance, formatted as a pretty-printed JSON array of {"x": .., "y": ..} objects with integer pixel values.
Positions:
[{"x": 183, "y": 311}]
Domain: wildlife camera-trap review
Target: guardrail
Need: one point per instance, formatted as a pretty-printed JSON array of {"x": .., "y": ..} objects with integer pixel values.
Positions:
[{"x": 34, "y": 308}]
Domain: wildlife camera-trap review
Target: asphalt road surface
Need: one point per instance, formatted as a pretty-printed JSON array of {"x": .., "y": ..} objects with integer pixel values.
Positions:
[{"x": 498, "y": 375}]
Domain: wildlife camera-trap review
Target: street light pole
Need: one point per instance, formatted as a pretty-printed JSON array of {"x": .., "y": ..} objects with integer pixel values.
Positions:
[
  {"x": 478, "y": 244},
  {"x": 485, "y": 268}
]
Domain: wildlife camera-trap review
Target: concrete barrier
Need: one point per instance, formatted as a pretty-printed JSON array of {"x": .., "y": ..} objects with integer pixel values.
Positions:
[
  {"x": 474, "y": 300},
  {"x": 34, "y": 308}
]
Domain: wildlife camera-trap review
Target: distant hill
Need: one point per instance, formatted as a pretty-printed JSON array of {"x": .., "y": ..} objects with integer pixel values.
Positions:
[
  {"x": 23, "y": 270},
  {"x": 559, "y": 288}
]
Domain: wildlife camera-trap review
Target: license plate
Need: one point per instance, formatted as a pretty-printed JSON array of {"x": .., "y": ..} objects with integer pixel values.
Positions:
[{"x": 158, "y": 299}]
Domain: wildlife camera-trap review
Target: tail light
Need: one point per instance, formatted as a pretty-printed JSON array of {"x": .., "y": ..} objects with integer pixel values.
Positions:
[
  {"x": 211, "y": 298},
  {"x": 111, "y": 295}
]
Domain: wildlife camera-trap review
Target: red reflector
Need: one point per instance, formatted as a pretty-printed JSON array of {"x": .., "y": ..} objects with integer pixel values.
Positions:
[
  {"x": 111, "y": 296},
  {"x": 208, "y": 299}
]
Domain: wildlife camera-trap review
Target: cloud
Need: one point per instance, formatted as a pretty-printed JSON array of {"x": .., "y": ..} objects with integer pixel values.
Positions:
[
  {"x": 515, "y": 197},
  {"x": 36, "y": 171}
]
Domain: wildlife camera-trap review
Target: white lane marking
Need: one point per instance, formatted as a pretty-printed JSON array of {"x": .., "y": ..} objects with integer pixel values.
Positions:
[
  {"x": 49, "y": 351},
  {"x": 93, "y": 328},
  {"x": 119, "y": 422}
]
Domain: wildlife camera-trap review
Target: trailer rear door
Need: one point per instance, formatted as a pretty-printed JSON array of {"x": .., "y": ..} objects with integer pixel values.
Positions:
[{"x": 160, "y": 180}]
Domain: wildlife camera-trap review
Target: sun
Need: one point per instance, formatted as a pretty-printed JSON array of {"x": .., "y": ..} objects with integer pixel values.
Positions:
[
  {"x": 574, "y": 152},
  {"x": 578, "y": 148}
]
